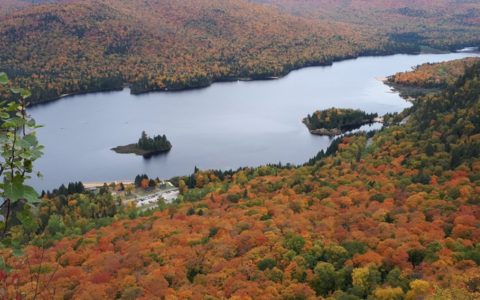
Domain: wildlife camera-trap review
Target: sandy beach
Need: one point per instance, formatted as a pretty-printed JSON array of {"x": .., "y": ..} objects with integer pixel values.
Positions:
[
  {"x": 382, "y": 79},
  {"x": 99, "y": 184}
]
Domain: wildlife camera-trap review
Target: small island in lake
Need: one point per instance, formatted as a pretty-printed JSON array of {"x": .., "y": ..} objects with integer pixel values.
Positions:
[
  {"x": 335, "y": 121},
  {"x": 146, "y": 145}
]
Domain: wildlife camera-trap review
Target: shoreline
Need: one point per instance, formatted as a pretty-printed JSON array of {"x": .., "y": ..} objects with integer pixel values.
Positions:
[
  {"x": 337, "y": 131},
  {"x": 246, "y": 79},
  {"x": 409, "y": 93},
  {"x": 100, "y": 184},
  {"x": 259, "y": 78},
  {"x": 79, "y": 93},
  {"x": 320, "y": 64},
  {"x": 133, "y": 149},
  {"x": 381, "y": 79}
]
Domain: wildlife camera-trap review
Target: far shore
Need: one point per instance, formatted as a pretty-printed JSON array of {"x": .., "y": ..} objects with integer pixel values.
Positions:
[
  {"x": 120, "y": 88},
  {"x": 255, "y": 78}
]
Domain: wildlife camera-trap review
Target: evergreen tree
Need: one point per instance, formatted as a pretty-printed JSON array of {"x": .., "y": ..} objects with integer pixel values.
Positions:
[
  {"x": 71, "y": 188},
  {"x": 63, "y": 190},
  {"x": 138, "y": 181},
  {"x": 151, "y": 183},
  {"x": 80, "y": 187},
  {"x": 157, "y": 143}
]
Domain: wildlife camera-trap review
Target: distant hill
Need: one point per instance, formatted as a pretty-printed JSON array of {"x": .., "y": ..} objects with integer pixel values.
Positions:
[
  {"x": 11, "y": 6},
  {"x": 66, "y": 47},
  {"x": 154, "y": 45}
]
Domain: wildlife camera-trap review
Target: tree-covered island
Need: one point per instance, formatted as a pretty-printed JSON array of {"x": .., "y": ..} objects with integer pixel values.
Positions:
[
  {"x": 335, "y": 121},
  {"x": 146, "y": 145}
]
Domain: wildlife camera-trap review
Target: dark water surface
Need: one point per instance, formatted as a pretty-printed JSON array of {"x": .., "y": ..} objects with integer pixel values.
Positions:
[{"x": 226, "y": 125}]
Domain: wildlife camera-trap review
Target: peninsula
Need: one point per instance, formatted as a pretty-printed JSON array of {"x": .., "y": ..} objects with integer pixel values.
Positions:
[
  {"x": 146, "y": 145},
  {"x": 428, "y": 78}
]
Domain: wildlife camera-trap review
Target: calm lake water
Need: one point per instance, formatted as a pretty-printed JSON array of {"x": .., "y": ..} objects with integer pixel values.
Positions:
[{"x": 226, "y": 125}]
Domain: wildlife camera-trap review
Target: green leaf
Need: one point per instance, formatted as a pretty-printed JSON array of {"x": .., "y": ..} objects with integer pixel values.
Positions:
[
  {"x": 12, "y": 106},
  {"x": 16, "y": 91},
  {"x": 14, "y": 190},
  {"x": 8, "y": 123},
  {"x": 15, "y": 242},
  {"x": 24, "y": 144},
  {"x": 18, "y": 253},
  {"x": 3, "y": 78},
  {"x": 31, "y": 122},
  {"x": 31, "y": 139},
  {"x": 18, "y": 121},
  {"x": 27, "y": 163},
  {"x": 2, "y": 225},
  {"x": 30, "y": 194},
  {"x": 4, "y": 115},
  {"x": 4, "y": 266},
  {"x": 18, "y": 179},
  {"x": 25, "y": 217},
  {"x": 36, "y": 154},
  {"x": 25, "y": 94}
]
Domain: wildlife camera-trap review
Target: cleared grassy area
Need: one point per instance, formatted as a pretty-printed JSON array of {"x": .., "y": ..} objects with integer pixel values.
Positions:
[{"x": 130, "y": 197}]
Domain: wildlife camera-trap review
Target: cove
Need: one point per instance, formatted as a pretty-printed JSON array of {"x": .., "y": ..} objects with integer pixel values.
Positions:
[{"x": 223, "y": 126}]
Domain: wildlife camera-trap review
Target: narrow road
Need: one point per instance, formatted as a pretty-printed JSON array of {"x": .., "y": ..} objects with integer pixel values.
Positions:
[
  {"x": 369, "y": 142},
  {"x": 405, "y": 120}
]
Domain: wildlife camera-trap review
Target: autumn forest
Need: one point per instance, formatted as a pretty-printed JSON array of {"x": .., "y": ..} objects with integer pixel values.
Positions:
[{"x": 390, "y": 214}]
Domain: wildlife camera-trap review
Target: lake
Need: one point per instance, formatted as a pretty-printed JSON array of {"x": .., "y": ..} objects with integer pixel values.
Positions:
[{"x": 224, "y": 126}]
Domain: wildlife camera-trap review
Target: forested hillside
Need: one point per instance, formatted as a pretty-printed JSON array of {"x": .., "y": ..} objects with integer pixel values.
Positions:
[
  {"x": 155, "y": 45},
  {"x": 397, "y": 218},
  {"x": 441, "y": 23},
  {"x": 11, "y": 6},
  {"x": 76, "y": 46}
]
